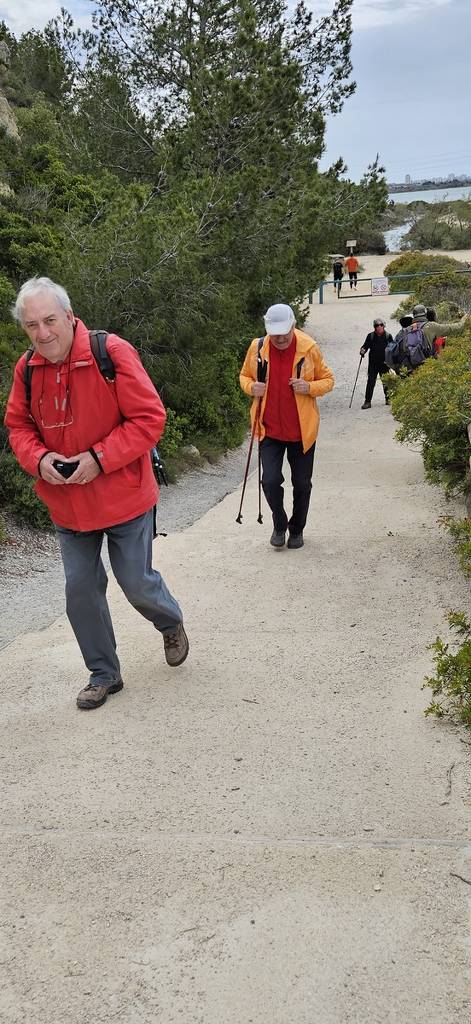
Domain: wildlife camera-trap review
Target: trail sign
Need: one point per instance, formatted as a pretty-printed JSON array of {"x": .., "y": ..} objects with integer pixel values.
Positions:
[
  {"x": 379, "y": 286},
  {"x": 351, "y": 243}
]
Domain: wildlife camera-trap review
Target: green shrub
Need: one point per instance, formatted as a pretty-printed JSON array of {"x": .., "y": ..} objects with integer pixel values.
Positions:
[
  {"x": 418, "y": 263},
  {"x": 433, "y": 406},
  {"x": 17, "y": 494},
  {"x": 451, "y": 686},
  {"x": 460, "y": 530},
  {"x": 173, "y": 435},
  {"x": 203, "y": 391},
  {"x": 7, "y": 297}
]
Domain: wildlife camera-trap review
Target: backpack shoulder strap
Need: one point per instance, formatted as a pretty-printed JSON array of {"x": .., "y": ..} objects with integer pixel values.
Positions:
[
  {"x": 102, "y": 358},
  {"x": 299, "y": 366},
  {"x": 28, "y": 373},
  {"x": 261, "y": 363}
]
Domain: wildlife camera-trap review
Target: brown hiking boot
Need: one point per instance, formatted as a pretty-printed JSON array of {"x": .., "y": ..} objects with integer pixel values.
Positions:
[
  {"x": 94, "y": 696},
  {"x": 176, "y": 646}
]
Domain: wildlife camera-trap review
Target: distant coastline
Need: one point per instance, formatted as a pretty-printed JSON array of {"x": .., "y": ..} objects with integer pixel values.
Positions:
[
  {"x": 426, "y": 186},
  {"x": 431, "y": 195}
]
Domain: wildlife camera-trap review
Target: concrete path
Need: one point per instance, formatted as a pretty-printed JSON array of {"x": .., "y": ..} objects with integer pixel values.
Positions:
[{"x": 273, "y": 832}]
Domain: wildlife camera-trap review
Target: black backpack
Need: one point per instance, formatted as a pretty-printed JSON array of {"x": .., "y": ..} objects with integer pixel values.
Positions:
[{"x": 107, "y": 369}]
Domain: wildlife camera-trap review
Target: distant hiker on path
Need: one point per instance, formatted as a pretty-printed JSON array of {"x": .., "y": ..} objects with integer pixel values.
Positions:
[
  {"x": 87, "y": 441},
  {"x": 375, "y": 343},
  {"x": 352, "y": 265},
  {"x": 296, "y": 375},
  {"x": 337, "y": 270}
]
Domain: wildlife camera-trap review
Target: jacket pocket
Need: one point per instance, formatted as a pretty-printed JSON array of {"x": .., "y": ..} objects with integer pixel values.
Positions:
[{"x": 132, "y": 473}]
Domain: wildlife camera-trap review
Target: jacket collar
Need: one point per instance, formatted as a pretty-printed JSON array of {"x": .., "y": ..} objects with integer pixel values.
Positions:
[
  {"x": 80, "y": 351},
  {"x": 303, "y": 344}
]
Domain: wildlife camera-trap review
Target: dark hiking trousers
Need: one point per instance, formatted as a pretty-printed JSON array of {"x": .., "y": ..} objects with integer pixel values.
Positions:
[
  {"x": 272, "y": 454},
  {"x": 130, "y": 551},
  {"x": 373, "y": 371}
]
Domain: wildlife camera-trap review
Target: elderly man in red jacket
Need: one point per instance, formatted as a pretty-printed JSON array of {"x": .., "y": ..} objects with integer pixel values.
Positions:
[{"x": 87, "y": 440}]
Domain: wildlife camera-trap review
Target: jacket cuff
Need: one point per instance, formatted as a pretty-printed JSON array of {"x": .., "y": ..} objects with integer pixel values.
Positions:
[{"x": 43, "y": 456}]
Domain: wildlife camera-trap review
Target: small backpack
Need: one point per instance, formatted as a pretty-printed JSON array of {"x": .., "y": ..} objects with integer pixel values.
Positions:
[
  {"x": 416, "y": 346},
  {"x": 392, "y": 353}
]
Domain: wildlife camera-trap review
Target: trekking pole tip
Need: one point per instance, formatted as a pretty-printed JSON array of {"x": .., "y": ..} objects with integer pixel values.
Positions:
[
  {"x": 239, "y": 518},
  {"x": 260, "y": 519}
]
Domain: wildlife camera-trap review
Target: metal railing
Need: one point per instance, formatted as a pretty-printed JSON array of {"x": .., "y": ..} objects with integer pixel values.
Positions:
[{"x": 393, "y": 277}]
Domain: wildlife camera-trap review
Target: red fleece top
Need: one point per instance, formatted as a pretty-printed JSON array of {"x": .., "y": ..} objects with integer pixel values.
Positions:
[{"x": 280, "y": 417}]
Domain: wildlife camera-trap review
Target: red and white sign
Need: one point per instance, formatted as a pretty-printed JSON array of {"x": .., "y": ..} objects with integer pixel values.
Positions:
[{"x": 380, "y": 286}]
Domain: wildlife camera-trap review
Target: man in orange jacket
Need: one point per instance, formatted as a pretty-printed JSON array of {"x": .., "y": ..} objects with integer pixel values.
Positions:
[
  {"x": 352, "y": 265},
  {"x": 288, "y": 418},
  {"x": 87, "y": 442}
]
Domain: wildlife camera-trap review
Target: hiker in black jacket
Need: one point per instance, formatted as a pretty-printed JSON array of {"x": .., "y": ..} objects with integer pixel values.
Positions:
[{"x": 375, "y": 343}]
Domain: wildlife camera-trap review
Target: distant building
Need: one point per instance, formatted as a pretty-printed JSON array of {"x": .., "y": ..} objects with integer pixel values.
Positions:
[{"x": 408, "y": 179}]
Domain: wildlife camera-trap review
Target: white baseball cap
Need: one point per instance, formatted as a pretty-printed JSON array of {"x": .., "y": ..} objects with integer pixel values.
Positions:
[{"x": 279, "y": 319}]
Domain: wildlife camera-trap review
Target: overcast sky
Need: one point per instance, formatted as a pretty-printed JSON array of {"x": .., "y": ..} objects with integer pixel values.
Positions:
[{"x": 411, "y": 61}]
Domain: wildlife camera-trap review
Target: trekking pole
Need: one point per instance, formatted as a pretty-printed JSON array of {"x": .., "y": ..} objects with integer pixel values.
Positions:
[
  {"x": 260, "y": 517},
  {"x": 355, "y": 384},
  {"x": 249, "y": 456}
]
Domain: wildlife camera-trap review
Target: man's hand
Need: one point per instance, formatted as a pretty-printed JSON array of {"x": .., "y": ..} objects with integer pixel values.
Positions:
[
  {"x": 47, "y": 471},
  {"x": 86, "y": 471},
  {"x": 362, "y": 351},
  {"x": 301, "y": 387},
  {"x": 258, "y": 388}
]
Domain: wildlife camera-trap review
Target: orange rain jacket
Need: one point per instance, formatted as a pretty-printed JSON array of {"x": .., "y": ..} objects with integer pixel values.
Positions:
[{"x": 314, "y": 369}]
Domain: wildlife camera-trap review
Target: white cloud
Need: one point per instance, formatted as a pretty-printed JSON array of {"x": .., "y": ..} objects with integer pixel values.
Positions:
[
  {"x": 374, "y": 13},
  {"x": 366, "y": 13},
  {"x": 377, "y": 13},
  {"x": 35, "y": 14}
]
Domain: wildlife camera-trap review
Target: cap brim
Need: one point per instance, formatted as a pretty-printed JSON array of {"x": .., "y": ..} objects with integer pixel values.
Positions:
[{"x": 282, "y": 327}]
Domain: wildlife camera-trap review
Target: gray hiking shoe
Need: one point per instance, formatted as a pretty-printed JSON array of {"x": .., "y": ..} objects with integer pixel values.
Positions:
[
  {"x": 92, "y": 697},
  {"x": 295, "y": 540},
  {"x": 176, "y": 646},
  {"x": 277, "y": 538}
]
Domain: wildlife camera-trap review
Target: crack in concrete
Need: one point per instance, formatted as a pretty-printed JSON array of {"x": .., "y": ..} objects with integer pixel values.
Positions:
[{"x": 332, "y": 842}]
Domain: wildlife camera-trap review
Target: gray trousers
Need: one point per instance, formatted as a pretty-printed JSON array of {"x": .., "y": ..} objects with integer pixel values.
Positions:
[{"x": 130, "y": 551}]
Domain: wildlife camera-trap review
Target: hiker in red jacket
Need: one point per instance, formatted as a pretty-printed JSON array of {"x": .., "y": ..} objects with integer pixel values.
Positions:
[{"x": 87, "y": 442}]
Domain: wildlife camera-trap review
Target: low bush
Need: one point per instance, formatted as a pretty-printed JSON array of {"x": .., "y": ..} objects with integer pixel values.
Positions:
[
  {"x": 451, "y": 685},
  {"x": 17, "y": 494},
  {"x": 419, "y": 263},
  {"x": 433, "y": 406},
  {"x": 460, "y": 530}
]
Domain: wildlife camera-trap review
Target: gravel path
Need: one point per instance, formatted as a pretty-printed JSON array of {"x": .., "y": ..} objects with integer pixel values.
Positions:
[
  {"x": 274, "y": 831},
  {"x": 31, "y": 576}
]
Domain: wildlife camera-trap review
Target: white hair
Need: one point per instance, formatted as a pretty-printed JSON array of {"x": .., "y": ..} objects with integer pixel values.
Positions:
[{"x": 32, "y": 287}]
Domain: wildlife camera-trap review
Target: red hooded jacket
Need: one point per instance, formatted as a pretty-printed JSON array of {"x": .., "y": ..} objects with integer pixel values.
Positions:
[{"x": 120, "y": 419}]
